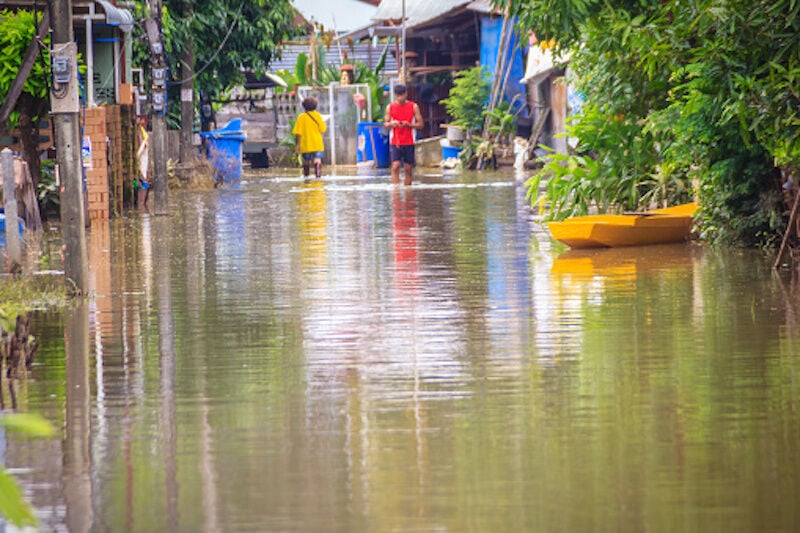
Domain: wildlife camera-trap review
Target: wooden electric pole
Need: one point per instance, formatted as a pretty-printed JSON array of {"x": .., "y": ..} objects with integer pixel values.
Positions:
[
  {"x": 65, "y": 108},
  {"x": 158, "y": 107}
]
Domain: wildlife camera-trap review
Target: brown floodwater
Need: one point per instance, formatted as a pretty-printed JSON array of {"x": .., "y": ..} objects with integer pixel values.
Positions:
[{"x": 347, "y": 355}]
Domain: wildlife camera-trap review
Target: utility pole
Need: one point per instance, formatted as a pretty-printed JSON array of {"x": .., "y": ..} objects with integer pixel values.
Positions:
[
  {"x": 65, "y": 108},
  {"x": 158, "y": 106},
  {"x": 187, "y": 91}
]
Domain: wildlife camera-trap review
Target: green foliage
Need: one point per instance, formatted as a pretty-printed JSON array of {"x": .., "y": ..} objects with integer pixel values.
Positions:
[
  {"x": 479, "y": 152},
  {"x": 363, "y": 74},
  {"x": 228, "y": 37},
  {"x": 740, "y": 195},
  {"x": 502, "y": 121},
  {"x": 47, "y": 190},
  {"x": 28, "y": 424},
  {"x": 328, "y": 73},
  {"x": 20, "y": 295},
  {"x": 17, "y": 30},
  {"x": 706, "y": 91},
  {"x": 12, "y": 505},
  {"x": 468, "y": 97},
  {"x": 620, "y": 166},
  {"x": 568, "y": 185}
]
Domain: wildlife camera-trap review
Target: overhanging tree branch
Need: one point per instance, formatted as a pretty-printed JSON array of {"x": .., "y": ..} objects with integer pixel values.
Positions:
[{"x": 25, "y": 68}]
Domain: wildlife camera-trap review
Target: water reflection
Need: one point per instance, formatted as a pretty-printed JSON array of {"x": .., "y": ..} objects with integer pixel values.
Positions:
[
  {"x": 341, "y": 354},
  {"x": 77, "y": 482},
  {"x": 167, "y": 367},
  {"x": 406, "y": 247}
]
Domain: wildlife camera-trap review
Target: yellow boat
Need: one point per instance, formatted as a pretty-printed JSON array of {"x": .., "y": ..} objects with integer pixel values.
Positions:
[{"x": 660, "y": 226}]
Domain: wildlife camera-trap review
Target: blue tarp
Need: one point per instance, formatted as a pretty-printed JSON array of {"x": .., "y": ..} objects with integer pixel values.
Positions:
[{"x": 491, "y": 28}]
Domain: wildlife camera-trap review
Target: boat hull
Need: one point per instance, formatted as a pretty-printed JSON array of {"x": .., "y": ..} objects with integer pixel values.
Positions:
[{"x": 660, "y": 226}]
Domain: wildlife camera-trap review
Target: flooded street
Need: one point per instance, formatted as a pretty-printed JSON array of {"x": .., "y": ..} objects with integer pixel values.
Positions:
[{"x": 347, "y": 355}]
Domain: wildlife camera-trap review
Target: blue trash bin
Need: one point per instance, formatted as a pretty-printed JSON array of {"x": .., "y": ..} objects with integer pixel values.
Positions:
[
  {"x": 373, "y": 144},
  {"x": 224, "y": 150},
  {"x": 451, "y": 151}
]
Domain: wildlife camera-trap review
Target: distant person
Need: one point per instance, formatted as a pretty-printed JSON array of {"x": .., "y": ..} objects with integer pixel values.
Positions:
[
  {"x": 308, "y": 130},
  {"x": 141, "y": 186},
  {"x": 402, "y": 117}
]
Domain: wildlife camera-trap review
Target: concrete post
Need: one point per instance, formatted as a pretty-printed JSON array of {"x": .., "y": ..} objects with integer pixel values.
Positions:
[
  {"x": 13, "y": 247},
  {"x": 158, "y": 101},
  {"x": 187, "y": 94}
]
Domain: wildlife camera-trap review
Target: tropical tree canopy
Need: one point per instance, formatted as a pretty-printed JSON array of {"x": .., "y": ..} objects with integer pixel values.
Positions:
[
  {"x": 17, "y": 30},
  {"x": 675, "y": 91},
  {"x": 227, "y": 36}
]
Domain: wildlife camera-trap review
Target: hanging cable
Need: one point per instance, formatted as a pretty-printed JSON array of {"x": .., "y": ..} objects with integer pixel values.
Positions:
[{"x": 216, "y": 53}]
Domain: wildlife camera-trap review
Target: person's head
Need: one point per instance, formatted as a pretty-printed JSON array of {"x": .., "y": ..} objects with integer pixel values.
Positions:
[
  {"x": 310, "y": 103},
  {"x": 400, "y": 93}
]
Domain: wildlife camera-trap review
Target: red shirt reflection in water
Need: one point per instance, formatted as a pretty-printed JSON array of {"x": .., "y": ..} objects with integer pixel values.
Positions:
[{"x": 406, "y": 247}]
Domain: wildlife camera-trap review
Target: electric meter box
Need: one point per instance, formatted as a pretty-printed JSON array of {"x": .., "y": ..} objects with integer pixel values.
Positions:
[
  {"x": 64, "y": 90},
  {"x": 62, "y": 69}
]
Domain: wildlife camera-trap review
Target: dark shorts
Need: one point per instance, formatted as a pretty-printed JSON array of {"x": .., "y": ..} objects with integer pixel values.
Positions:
[
  {"x": 403, "y": 153},
  {"x": 310, "y": 156}
]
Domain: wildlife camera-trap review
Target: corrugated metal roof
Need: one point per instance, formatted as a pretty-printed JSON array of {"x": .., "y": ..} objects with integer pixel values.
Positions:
[
  {"x": 417, "y": 11},
  {"x": 360, "y": 52},
  {"x": 483, "y": 6}
]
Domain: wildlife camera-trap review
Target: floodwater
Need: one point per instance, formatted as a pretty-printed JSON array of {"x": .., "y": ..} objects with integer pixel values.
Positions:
[{"x": 346, "y": 355}]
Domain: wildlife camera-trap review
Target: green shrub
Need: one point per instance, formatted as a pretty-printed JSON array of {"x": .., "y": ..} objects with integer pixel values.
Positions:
[{"x": 467, "y": 99}]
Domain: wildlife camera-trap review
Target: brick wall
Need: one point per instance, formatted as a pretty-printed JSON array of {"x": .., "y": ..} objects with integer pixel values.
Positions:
[
  {"x": 130, "y": 164},
  {"x": 97, "y": 179},
  {"x": 111, "y": 168}
]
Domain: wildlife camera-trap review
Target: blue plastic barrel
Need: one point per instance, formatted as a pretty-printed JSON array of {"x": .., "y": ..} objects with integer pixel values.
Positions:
[
  {"x": 373, "y": 144},
  {"x": 224, "y": 150},
  {"x": 451, "y": 151}
]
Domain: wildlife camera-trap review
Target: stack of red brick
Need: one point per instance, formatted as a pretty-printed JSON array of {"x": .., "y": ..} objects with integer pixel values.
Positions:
[{"x": 105, "y": 175}]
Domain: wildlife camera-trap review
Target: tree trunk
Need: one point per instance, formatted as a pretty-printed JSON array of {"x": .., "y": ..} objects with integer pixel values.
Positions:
[{"x": 28, "y": 108}]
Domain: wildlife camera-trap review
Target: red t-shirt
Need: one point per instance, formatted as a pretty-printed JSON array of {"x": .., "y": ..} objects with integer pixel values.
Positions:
[{"x": 402, "y": 136}]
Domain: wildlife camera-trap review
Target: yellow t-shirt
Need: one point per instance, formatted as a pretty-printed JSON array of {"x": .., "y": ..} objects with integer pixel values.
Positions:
[{"x": 310, "y": 127}]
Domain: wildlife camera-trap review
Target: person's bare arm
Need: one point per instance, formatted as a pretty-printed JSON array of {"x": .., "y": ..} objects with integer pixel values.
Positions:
[
  {"x": 418, "y": 122},
  {"x": 387, "y": 120}
]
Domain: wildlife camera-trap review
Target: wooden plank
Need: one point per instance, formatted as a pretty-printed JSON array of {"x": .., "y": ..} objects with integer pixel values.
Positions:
[{"x": 537, "y": 131}]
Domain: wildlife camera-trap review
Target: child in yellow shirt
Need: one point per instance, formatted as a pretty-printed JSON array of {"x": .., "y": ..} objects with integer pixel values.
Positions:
[{"x": 308, "y": 130}]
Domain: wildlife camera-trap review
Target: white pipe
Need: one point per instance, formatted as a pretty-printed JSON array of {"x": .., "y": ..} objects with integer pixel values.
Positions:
[
  {"x": 369, "y": 104},
  {"x": 117, "y": 80},
  {"x": 403, "y": 47},
  {"x": 89, "y": 63},
  {"x": 332, "y": 109}
]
